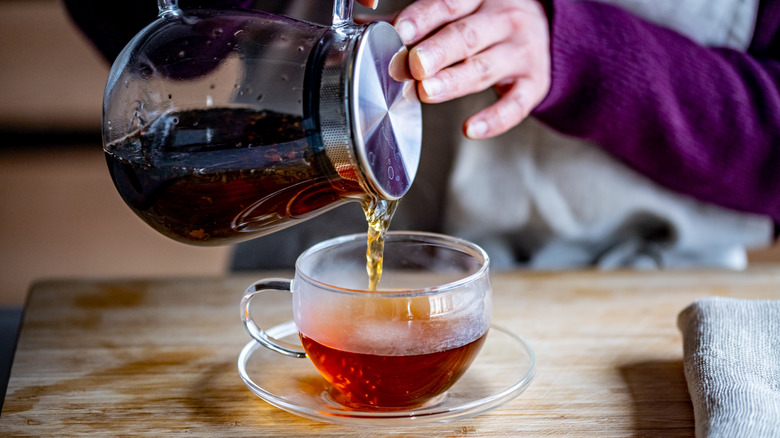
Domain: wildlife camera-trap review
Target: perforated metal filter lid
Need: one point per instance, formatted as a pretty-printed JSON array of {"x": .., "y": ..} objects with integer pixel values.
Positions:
[{"x": 371, "y": 106}]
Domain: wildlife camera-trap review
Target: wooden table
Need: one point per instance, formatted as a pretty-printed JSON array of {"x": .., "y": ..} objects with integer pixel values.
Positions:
[{"x": 158, "y": 357}]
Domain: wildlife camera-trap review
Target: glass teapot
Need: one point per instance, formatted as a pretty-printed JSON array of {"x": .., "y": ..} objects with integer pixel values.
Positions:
[{"x": 224, "y": 125}]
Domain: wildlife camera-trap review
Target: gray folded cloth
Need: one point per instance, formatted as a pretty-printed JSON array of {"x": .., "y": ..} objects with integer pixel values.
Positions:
[{"x": 731, "y": 351}]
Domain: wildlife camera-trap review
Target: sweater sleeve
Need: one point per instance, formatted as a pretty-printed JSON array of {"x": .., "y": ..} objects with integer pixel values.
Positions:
[{"x": 701, "y": 121}]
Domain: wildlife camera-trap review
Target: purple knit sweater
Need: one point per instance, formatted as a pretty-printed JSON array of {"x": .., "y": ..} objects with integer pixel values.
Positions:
[{"x": 700, "y": 121}]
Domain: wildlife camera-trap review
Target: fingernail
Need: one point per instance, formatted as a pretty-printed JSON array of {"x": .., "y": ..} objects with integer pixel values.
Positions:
[
  {"x": 406, "y": 29},
  {"x": 476, "y": 129},
  {"x": 432, "y": 86},
  {"x": 424, "y": 59}
]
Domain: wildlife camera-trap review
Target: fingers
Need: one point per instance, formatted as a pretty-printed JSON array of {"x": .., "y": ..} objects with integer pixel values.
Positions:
[
  {"x": 475, "y": 74},
  {"x": 511, "y": 109},
  {"x": 519, "y": 93},
  {"x": 457, "y": 41},
  {"x": 424, "y": 16}
]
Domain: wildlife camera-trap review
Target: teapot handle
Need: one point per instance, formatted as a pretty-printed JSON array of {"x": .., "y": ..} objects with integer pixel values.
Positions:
[
  {"x": 342, "y": 12},
  {"x": 167, "y": 6}
]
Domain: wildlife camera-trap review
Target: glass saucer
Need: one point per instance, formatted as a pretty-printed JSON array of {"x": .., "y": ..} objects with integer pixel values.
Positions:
[{"x": 501, "y": 372}]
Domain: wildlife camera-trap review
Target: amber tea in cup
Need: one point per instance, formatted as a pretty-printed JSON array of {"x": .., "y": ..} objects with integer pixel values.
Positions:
[{"x": 400, "y": 346}]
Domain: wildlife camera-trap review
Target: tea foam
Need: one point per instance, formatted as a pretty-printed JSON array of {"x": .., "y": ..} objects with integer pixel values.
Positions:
[{"x": 398, "y": 338}]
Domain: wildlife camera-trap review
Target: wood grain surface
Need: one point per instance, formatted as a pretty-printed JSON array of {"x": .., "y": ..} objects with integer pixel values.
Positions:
[{"x": 158, "y": 358}]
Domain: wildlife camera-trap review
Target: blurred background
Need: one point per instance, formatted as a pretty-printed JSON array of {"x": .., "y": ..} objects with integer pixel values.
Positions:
[{"x": 60, "y": 215}]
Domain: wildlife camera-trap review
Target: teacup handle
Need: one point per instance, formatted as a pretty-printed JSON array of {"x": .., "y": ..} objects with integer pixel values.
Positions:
[{"x": 264, "y": 337}]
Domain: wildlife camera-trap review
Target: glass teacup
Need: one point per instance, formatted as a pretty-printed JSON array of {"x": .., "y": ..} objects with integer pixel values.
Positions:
[{"x": 400, "y": 346}]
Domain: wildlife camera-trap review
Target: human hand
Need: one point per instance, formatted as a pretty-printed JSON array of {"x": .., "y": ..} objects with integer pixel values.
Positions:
[{"x": 462, "y": 47}]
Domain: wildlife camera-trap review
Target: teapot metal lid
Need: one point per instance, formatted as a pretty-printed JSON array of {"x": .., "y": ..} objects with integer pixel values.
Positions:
[{"x": 368, "y": 101}]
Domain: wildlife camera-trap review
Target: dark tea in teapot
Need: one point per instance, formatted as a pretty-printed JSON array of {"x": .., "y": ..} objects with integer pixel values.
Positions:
[{"x": 213, "y": 176}]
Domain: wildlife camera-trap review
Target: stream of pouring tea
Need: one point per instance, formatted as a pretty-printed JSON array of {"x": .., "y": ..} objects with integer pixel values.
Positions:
[{"x": 378, "y": 213}]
